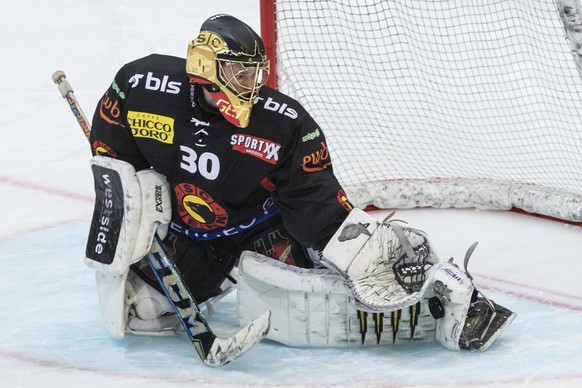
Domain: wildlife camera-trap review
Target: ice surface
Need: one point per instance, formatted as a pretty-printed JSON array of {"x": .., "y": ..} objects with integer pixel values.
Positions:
[{"x": 50, "y": 329}]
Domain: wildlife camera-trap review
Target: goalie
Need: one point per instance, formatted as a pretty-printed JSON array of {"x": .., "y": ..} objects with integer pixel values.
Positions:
[{"x": 177, "y": 152}]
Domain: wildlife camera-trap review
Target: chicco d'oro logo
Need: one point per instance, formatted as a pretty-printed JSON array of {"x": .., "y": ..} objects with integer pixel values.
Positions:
[
  {"x": 198, "y": 209},
  {"x": 151, "y": 126}
]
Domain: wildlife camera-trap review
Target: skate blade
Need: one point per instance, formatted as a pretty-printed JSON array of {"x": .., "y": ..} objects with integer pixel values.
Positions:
[{"x": 501, "y": 329}]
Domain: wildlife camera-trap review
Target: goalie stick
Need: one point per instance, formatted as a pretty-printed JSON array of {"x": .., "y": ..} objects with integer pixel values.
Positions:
[{"x": 213, "y": 351}]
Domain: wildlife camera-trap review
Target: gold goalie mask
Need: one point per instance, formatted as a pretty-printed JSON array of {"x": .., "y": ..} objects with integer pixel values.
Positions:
[{"x": 229, "y": 57}]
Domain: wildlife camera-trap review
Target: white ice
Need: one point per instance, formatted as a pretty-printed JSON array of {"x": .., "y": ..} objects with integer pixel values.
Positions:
[{"x": 51, "y": 334}]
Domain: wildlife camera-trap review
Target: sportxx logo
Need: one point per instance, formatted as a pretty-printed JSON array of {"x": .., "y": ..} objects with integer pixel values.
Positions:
[
  {"x": 151, "y": 126},
  {"x": 199, "y": 122},
  {"x": 109, "y": 110},
  {"x": 263, "y": 149},
  {"x": 155, "y": 84},
  {"x": 318, "y": 160}
]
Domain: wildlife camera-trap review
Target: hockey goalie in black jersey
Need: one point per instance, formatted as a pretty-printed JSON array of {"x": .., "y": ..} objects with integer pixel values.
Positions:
[{"x": 254, "y": 205}]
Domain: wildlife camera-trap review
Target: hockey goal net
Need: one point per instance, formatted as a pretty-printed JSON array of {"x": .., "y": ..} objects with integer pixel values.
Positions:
[{"x": 440, "y": 103}]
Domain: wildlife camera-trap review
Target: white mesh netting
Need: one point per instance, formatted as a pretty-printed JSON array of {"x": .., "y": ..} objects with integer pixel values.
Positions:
[{"x": 485, "y": 90}]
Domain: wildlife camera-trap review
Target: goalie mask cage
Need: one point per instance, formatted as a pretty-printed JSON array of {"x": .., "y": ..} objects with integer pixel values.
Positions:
[{"x": 440, "y": 103}]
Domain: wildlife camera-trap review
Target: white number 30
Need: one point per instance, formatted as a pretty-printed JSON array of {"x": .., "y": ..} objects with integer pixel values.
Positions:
[{"x": 206, "y": 164}]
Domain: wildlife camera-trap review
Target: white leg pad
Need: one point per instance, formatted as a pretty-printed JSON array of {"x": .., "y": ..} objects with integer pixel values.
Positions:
[
  {"x": 311, "y": 307},
  {"x": 129, "y": 208},
  {"x": 114, "y": 310},
  {"x": 128, "y": 304}
]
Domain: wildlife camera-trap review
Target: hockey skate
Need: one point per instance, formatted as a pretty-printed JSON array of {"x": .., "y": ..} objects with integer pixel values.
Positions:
[
  {"x": 485, "y": 321},
  {"x": 466, "y": 319}
]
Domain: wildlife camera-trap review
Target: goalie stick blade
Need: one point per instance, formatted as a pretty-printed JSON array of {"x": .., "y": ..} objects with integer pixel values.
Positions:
[{"x": 225, "y": 350}]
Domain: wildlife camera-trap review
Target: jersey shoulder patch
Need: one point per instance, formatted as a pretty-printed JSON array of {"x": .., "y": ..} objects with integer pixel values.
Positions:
[
  {"x": 157, "y": 73},
  {"x": 272, "y": 101}
]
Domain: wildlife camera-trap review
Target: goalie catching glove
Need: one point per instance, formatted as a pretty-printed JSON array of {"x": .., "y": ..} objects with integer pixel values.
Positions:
[{"x": 386, "y": 267}]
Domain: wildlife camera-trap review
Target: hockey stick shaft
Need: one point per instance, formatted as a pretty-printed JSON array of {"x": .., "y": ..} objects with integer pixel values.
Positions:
[
  {"x": 181, "y": 298},
  {"x": 67, "y": 92},
  {"x": 212, "y": 350}
]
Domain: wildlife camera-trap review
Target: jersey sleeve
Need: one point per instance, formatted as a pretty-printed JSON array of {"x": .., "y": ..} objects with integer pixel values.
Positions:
[
  {"x": 309, "y": 197},
  {"x": 110, "y": 134}
]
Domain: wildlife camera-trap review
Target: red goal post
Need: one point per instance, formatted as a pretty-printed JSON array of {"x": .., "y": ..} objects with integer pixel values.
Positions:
[
  {"x": 442, "y": 104},
  {"x": 269, "y": 36}
]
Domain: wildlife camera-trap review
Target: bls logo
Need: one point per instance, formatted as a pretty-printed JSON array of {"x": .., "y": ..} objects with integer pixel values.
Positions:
[
  {"x": 283, "y": 109},
  {"x": 155, "y": 84}
]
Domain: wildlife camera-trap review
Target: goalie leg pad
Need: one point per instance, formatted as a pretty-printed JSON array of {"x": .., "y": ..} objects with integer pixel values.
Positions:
[
  {"x": 312, "y": 308},
  {"x": 114, "y": 310},
  {"x": 129, "y": 208},
  {"x": 128, "y": 304},
  {"x": 131, "y": 305}
]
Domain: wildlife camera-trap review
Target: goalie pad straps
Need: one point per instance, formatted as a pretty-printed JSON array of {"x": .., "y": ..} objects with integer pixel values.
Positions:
[{"x": 129, "y": 207}]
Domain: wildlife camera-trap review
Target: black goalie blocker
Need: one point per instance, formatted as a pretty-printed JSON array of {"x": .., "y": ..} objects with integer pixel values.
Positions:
[{"x": 107, "y": 215}]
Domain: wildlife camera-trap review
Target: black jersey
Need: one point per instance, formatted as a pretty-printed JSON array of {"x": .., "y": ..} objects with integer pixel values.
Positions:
[{"x": 224, "y": 179}]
